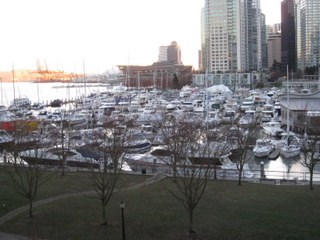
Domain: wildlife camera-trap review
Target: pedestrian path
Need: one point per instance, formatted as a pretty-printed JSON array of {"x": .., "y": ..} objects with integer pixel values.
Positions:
[{"x": 5, "y": 236}]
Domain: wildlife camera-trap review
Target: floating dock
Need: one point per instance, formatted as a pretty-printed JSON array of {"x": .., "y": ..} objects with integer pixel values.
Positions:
[{"x": 275, "y": 154}]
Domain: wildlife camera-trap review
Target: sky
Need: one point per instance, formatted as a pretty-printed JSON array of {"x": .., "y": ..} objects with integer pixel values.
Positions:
[{"x": 94, "y": 35}]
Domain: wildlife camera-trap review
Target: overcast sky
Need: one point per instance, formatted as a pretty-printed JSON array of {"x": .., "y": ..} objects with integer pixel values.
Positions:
[{"x": 101, "y": 33}]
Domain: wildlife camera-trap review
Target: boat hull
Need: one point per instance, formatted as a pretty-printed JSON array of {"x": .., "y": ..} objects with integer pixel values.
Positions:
[{"x": 289, "y": 152}]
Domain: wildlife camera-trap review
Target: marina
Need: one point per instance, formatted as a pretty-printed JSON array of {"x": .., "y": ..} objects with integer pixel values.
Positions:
[{"x": 140, "y": 109}]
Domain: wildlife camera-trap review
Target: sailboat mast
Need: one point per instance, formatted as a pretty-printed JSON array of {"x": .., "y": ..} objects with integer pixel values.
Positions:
[
  {"x": 161, "y": 80},
  {"x": 139, "y": 84},
  {"x": 288, "y": 127},
  {"x": 1, "y": 91},
  {"x": 167, "y": 79},
  {"x": 319, "y": 78},
  {"x": 206, "y": 95},
  {"x": 14, "y": 90},
  {"x": 38, "y": 89},
  {"x": 84, "y": 78},
  {"x": 208, "y": 61},
  {"x": 154, "y": 79}
]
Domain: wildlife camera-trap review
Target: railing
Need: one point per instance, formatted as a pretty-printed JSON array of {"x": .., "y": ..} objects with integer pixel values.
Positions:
[
  {"x": 233, "y": 173},
  {"x": 256, "y": 174}
]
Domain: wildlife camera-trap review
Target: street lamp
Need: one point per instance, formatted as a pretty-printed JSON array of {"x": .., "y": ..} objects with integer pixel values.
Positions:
[
  {"x": 262, "y": 174},
  {"x": 122, "y": 206}
]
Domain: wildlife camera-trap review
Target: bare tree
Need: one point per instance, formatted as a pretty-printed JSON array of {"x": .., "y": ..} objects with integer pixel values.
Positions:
[
  {"x": 172, "y": 132},
  {"x": 109, "y": 150},
  {"x": 60, "y": 139},
  {"x": 27, "y": 178},
  {"x": 310, "y": 155},
  {"x": 191, "y": 162},
  {"x": 243, "y": 138}
]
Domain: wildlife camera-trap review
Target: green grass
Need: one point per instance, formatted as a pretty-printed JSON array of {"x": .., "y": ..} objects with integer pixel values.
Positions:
[
  {"x": 227, "y": 211},
  {"x": 57, "y": 185}
]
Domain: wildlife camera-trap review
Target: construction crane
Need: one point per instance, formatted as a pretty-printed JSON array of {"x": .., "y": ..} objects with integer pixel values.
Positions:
[{"x": 45, "y": 75}]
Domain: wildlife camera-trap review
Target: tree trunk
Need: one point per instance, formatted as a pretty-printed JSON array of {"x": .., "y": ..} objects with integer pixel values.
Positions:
[
  {"x": 191, "y": 230},
  {"x": 311, "y": 180},
  {"x": 30, "y": 208},
  {"x": 104, "y": 217},
  {"x": 174, "y": 171},
  {"x": 62, "y": 165},
  {"x": 240, "y": 177},
  {"x": 215, "y": 172}
]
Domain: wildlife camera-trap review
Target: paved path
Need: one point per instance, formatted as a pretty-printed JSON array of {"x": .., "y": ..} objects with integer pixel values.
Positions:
[
  {"x": 5, "y": 236},
  {"x": 10, "y": 215}
]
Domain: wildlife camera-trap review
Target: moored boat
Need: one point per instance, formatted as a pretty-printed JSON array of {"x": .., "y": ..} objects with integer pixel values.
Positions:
[
  {"x": 263, "y": 148},
  {"x": 53, "y": 157}
]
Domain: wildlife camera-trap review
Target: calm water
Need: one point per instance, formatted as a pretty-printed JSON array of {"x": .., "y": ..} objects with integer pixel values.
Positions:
[
  {"x": 45, "y": 92},
  {"x": 283, "y": 168}
]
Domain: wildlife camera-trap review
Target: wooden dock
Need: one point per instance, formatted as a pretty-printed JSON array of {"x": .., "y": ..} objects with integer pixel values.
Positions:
[{"x": 275, "y": 154}]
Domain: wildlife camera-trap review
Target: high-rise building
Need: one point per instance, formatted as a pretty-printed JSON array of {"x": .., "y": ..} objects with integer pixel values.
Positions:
[
  {"x": 174, "y": 53},
  {"x": 231, "y": 35},
  {"x": 200, "y": 67},
  {"x": 163, "y": 56},
  {"x": 268, "y": 30},
  {"x": 308, "y": 33},
  {"x": 224, "y": 36},
  {"x": 264, "y": 43},
  {"x": 254, "y": 34},
  {"x": 170, "y": 54},
  {"x": 288, "y": 36},
  {"x": 276, "y": 28},
  {"x": 274, "y": 50}
]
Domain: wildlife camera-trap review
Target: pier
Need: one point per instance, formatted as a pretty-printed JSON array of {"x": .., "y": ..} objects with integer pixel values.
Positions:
[{"x": 275, "y": 154}]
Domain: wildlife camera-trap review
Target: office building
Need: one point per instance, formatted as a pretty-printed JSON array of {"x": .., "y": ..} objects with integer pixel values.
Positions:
[
  {"x": 163, "y": 56},
  {"x": 231, "y": 35},
  {"x": 264, "y": 43},
  {"x": 170, "y": 54},
  {"x": 174, "y": 53},
  {"x": 308, "y": 33},
  {"x": 254, "y": 45},
  {"x": 276, "y": 28},
  {"x": 288, "y": 36},
  {"x": 274, "y": 51},
  {"x": 224, "y": 36}
]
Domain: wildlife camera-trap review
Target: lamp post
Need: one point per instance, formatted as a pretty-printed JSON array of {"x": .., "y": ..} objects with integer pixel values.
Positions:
[
  {"x": 122, "y": 205},
  {"x": 262, "y": 174}
]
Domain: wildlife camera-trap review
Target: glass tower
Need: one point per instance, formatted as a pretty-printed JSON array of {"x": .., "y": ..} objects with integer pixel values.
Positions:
[
  {"x": 288, "y": 36},
  {"x": 231, "y": 35},
  {"x": 308, "y": 33},
  {"x": 254, "y": 34}
]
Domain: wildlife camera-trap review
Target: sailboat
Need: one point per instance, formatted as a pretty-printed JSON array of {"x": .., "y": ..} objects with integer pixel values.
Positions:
[{"x": 291, "y": 148}]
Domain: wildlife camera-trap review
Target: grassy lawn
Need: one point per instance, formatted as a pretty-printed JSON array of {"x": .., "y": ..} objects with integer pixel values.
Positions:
[
  {"x": 57, "y": 185},
  {"x": 226, "y": 212}
]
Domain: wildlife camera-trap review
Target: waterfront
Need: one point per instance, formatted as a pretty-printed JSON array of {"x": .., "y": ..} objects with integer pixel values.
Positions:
[
  {"x": 46, "y": 92},
  {"x": 283, "y": 168}
]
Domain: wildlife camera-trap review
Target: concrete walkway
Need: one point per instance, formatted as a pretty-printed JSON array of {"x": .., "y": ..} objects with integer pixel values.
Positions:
[
  {"x": 5, "y": 236},
  {"x": 10, "y": 215}
]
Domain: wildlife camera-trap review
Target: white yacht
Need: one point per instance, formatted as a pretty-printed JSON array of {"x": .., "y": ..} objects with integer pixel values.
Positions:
[
  {"x": 248, "y": 118},
  {"x": 263, "y": 148},
  {"x": 247, "y": 104},
  {"x": 229, "y": 115},
  {"x": 291, "y": 148},
  {"x": 272, "y": 128},
  {"x": 289, "y": 151}
]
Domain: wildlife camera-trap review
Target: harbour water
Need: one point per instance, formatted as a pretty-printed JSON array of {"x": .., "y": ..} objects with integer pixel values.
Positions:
[
  {"x": 45, "y": 92},
  {"x": 283, "y": 168}
]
